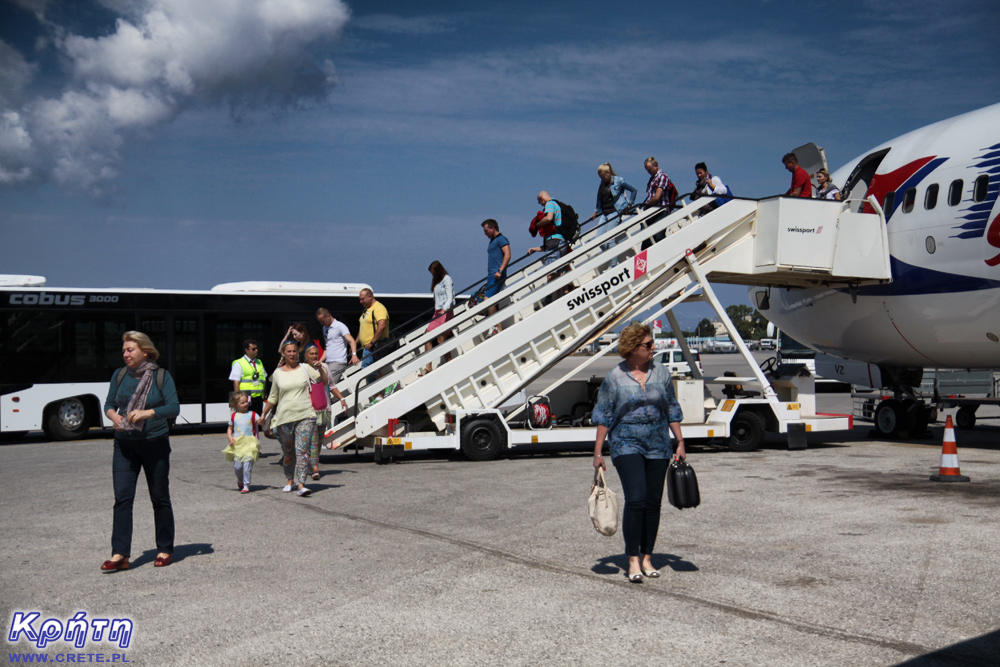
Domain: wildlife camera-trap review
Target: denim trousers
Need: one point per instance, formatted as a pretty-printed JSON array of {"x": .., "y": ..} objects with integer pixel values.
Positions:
[
  {"x": 642, "y": 482},
  {"x": 151, "y": 456}
]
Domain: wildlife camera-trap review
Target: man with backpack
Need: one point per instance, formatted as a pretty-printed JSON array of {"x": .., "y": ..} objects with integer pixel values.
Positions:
[{"x": 553, "y": 217}]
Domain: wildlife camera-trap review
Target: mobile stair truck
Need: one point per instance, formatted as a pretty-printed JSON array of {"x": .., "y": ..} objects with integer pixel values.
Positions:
[{"x": 661, "y": 259}]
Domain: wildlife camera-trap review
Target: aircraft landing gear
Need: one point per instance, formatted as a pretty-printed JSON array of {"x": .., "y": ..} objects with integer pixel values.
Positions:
[{"x": 902, "y": 419}]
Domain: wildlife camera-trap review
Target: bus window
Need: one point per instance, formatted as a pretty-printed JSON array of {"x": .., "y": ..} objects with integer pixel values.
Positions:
[
  {"x": 981, "y": 187},
  {"x": 930, "y": 199},
  {"x": 955, "y": 192},
  {"x": 909, "y": 197}
]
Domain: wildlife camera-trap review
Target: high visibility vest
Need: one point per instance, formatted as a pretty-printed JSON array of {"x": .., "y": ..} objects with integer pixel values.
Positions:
[{"x": 247, "y": 383}]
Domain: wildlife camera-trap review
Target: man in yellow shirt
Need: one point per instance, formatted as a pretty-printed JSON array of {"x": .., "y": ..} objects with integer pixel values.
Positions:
[{"x": 373, "y": 325}]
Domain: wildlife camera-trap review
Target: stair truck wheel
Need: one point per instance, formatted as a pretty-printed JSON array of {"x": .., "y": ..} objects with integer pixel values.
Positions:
[
  {"x": 482, "y": 439},
  {"x": 746, "y": 432},
  {"x": 67, "y": 419}
]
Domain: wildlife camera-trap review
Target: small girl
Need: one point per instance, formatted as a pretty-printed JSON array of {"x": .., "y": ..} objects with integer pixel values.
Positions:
[{"x": 244, "y": 447}]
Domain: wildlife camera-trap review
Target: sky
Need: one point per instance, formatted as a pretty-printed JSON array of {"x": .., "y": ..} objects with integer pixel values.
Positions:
[{"x": 184, "y": 143}]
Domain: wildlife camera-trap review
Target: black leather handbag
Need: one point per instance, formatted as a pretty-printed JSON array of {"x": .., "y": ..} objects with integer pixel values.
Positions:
[{"x": 682, "y": 486}]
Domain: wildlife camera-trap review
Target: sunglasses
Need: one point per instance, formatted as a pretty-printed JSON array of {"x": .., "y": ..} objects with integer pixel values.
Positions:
[{"x": 648, "y": 346}]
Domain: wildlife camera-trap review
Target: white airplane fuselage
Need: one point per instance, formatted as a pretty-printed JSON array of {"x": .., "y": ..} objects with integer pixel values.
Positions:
[{"x": 941, "y": 308}]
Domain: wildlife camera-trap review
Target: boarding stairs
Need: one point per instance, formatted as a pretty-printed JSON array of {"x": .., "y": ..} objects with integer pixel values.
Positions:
[{"x": 548, "y": 311}]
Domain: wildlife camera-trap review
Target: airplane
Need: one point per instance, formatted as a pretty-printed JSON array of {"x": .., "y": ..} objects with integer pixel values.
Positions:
[{"x": 938, "y": 189}]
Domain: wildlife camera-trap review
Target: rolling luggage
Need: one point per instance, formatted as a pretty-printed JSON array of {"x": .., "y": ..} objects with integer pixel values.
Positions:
[{"x": 682, "y": 486}]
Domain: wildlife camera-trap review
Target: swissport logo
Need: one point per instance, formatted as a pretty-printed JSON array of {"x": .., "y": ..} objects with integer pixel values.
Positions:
[
  {"x": 806, "y": 230},
  {"x": 595, "y": 290},
  {"x": 640, "y": 265}
]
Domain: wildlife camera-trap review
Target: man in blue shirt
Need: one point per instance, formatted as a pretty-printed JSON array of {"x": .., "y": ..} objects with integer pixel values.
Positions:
[{"x": 497, "y": 259}]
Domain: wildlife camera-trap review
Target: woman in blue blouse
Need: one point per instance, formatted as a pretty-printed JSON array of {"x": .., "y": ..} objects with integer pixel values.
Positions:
[
  {"x": 139, "y": 405},
  {"x": 614, "y": 197},
  {"x": 636, "y": 412}
]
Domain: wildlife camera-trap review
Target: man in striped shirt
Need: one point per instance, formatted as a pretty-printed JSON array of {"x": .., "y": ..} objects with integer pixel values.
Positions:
[{"x": 658, "y": 185}]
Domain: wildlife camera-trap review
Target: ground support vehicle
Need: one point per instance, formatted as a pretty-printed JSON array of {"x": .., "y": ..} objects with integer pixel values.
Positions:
[
  {"x": 908, "y": 416},
  {"x": 663, "y": 259}
]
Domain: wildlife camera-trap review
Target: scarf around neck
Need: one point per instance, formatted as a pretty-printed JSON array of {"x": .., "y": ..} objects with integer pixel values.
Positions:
[{"x": 145, "y": 373}]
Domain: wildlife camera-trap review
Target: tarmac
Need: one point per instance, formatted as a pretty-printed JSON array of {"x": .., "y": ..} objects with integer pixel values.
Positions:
[{"x": 843, "y": 553}]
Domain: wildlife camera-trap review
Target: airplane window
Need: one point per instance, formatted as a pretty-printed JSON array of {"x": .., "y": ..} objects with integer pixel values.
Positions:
[
  {"x": 908, "y": 198},
  {"x": 980, "y": 188},
  {"x": 930, "y": 199},
  {"x": 955, "y": 193},
  {"x": 890, "y": 199}
]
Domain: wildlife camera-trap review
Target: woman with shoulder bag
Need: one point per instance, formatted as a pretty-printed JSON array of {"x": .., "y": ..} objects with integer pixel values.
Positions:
[
  {"x": 294, "y": 421},
  {"x": 139, "y": 405},
  {"x": 636, "y": 412},
  {"x": 443, "y": 289}
]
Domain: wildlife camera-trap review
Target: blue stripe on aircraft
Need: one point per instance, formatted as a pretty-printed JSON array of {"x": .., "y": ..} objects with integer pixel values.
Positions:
[{"x": 909, "y": 280}]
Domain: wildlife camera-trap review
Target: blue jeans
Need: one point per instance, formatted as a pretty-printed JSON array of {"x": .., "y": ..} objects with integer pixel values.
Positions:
[
  {"x": 152, "y": 457},
  {"x": 554, "y": 249},
  {"x": 642, "y": 482},
  {"x": 366, "y": 358}
]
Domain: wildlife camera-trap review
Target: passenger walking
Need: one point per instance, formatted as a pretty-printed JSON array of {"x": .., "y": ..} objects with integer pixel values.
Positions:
[
  {"x": 244, "y": 447},
  {"x": 338, "y": 339},
  {"x": 373, "y": 326},
  {"x": 322, "y": 416},
  {"x": 443, "y": 289},
  {"x": 248, "y": 375},
  {"x": 294, "y": 420},
  {"x": 801, "y": 185},
  {"x": 300, "y": 334},
  {"x": 614, "y": 196},
  {"x": 660, "y": 191},
  {"x": 555, "y": 244},
  {"x": 613, "y": 201},
  {"x": 826, "y": 189},
  {"x": 141, "y": 398},
  {"x": 636, "y": 412},
  {"x": 707, "y": 186},
  {"x": 497, "y": 259}
]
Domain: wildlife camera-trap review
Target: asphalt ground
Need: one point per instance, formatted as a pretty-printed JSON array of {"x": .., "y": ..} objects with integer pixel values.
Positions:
[{"x": 843, "y": 553}]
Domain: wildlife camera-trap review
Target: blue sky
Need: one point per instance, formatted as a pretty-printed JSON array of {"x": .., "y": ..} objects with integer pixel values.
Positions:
[{"x": 183, "y": 143}]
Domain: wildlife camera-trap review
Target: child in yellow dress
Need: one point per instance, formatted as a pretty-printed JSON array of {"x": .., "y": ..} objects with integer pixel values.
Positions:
[{"x": 244, "y": 447}]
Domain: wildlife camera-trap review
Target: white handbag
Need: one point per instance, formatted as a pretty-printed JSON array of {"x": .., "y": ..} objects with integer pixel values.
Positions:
[{"x": 603, "y": 505}]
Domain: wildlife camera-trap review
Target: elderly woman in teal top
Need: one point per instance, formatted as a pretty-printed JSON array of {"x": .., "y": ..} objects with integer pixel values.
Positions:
[
  {"x": 636, "y": 412},
  {"x": 139, "y": 404}
]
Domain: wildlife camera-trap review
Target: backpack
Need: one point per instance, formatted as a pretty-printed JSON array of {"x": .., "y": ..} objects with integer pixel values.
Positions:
[
  {"x": 670, "y": 195},
  {"x": 570, "y": 227}
]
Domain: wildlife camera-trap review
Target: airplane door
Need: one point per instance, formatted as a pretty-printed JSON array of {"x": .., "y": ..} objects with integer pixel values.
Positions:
[{"x": 857, "y": 183}]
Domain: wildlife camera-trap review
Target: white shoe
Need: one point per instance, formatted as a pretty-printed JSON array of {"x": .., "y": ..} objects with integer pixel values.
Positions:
[
  {"x": 288, "y": 487},
  {"x": 304, "y": 491}
]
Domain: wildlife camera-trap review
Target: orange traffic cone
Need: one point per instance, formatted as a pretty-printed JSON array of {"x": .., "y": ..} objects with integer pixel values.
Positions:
[{"x": 949, "y": 471}]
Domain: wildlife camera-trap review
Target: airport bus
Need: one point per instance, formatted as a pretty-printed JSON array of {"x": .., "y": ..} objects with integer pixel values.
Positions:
[{"x": 60, "y": 346}]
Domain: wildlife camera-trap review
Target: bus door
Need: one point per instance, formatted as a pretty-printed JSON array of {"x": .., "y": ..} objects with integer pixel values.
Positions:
[{"x": 179, "y": 340}]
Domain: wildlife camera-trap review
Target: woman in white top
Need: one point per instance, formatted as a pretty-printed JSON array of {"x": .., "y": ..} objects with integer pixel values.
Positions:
[
  {"x": 444, "y": 308},
  {"x": 826, "y": 189},
  {"x": 294, "y": 421}
]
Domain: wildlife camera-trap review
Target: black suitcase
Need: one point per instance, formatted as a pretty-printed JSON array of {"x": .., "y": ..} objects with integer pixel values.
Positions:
[{"x": 682, "y": 486}]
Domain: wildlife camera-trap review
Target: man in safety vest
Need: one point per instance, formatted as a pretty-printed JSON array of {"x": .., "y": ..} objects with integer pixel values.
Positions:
[{"x": 248, "y": 375}]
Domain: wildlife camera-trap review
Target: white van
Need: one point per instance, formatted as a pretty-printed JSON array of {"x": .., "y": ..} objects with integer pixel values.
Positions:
[{"x": 673, "y": 359}]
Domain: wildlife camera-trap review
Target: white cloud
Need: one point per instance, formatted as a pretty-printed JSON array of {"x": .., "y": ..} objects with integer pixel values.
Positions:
[{"x": 162, "y": 57}]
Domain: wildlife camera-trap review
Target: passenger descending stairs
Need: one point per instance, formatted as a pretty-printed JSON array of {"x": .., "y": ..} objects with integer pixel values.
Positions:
[{"x": 547, "y": 312}]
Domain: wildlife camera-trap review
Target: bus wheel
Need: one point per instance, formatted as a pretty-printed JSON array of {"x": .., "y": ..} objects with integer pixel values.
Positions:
[
  {"x": 746, "y": 433},
  {"x": 67, "y": 420},
  {"x": 965, "y": 418},
  {"x": 482, "y": 440}
]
